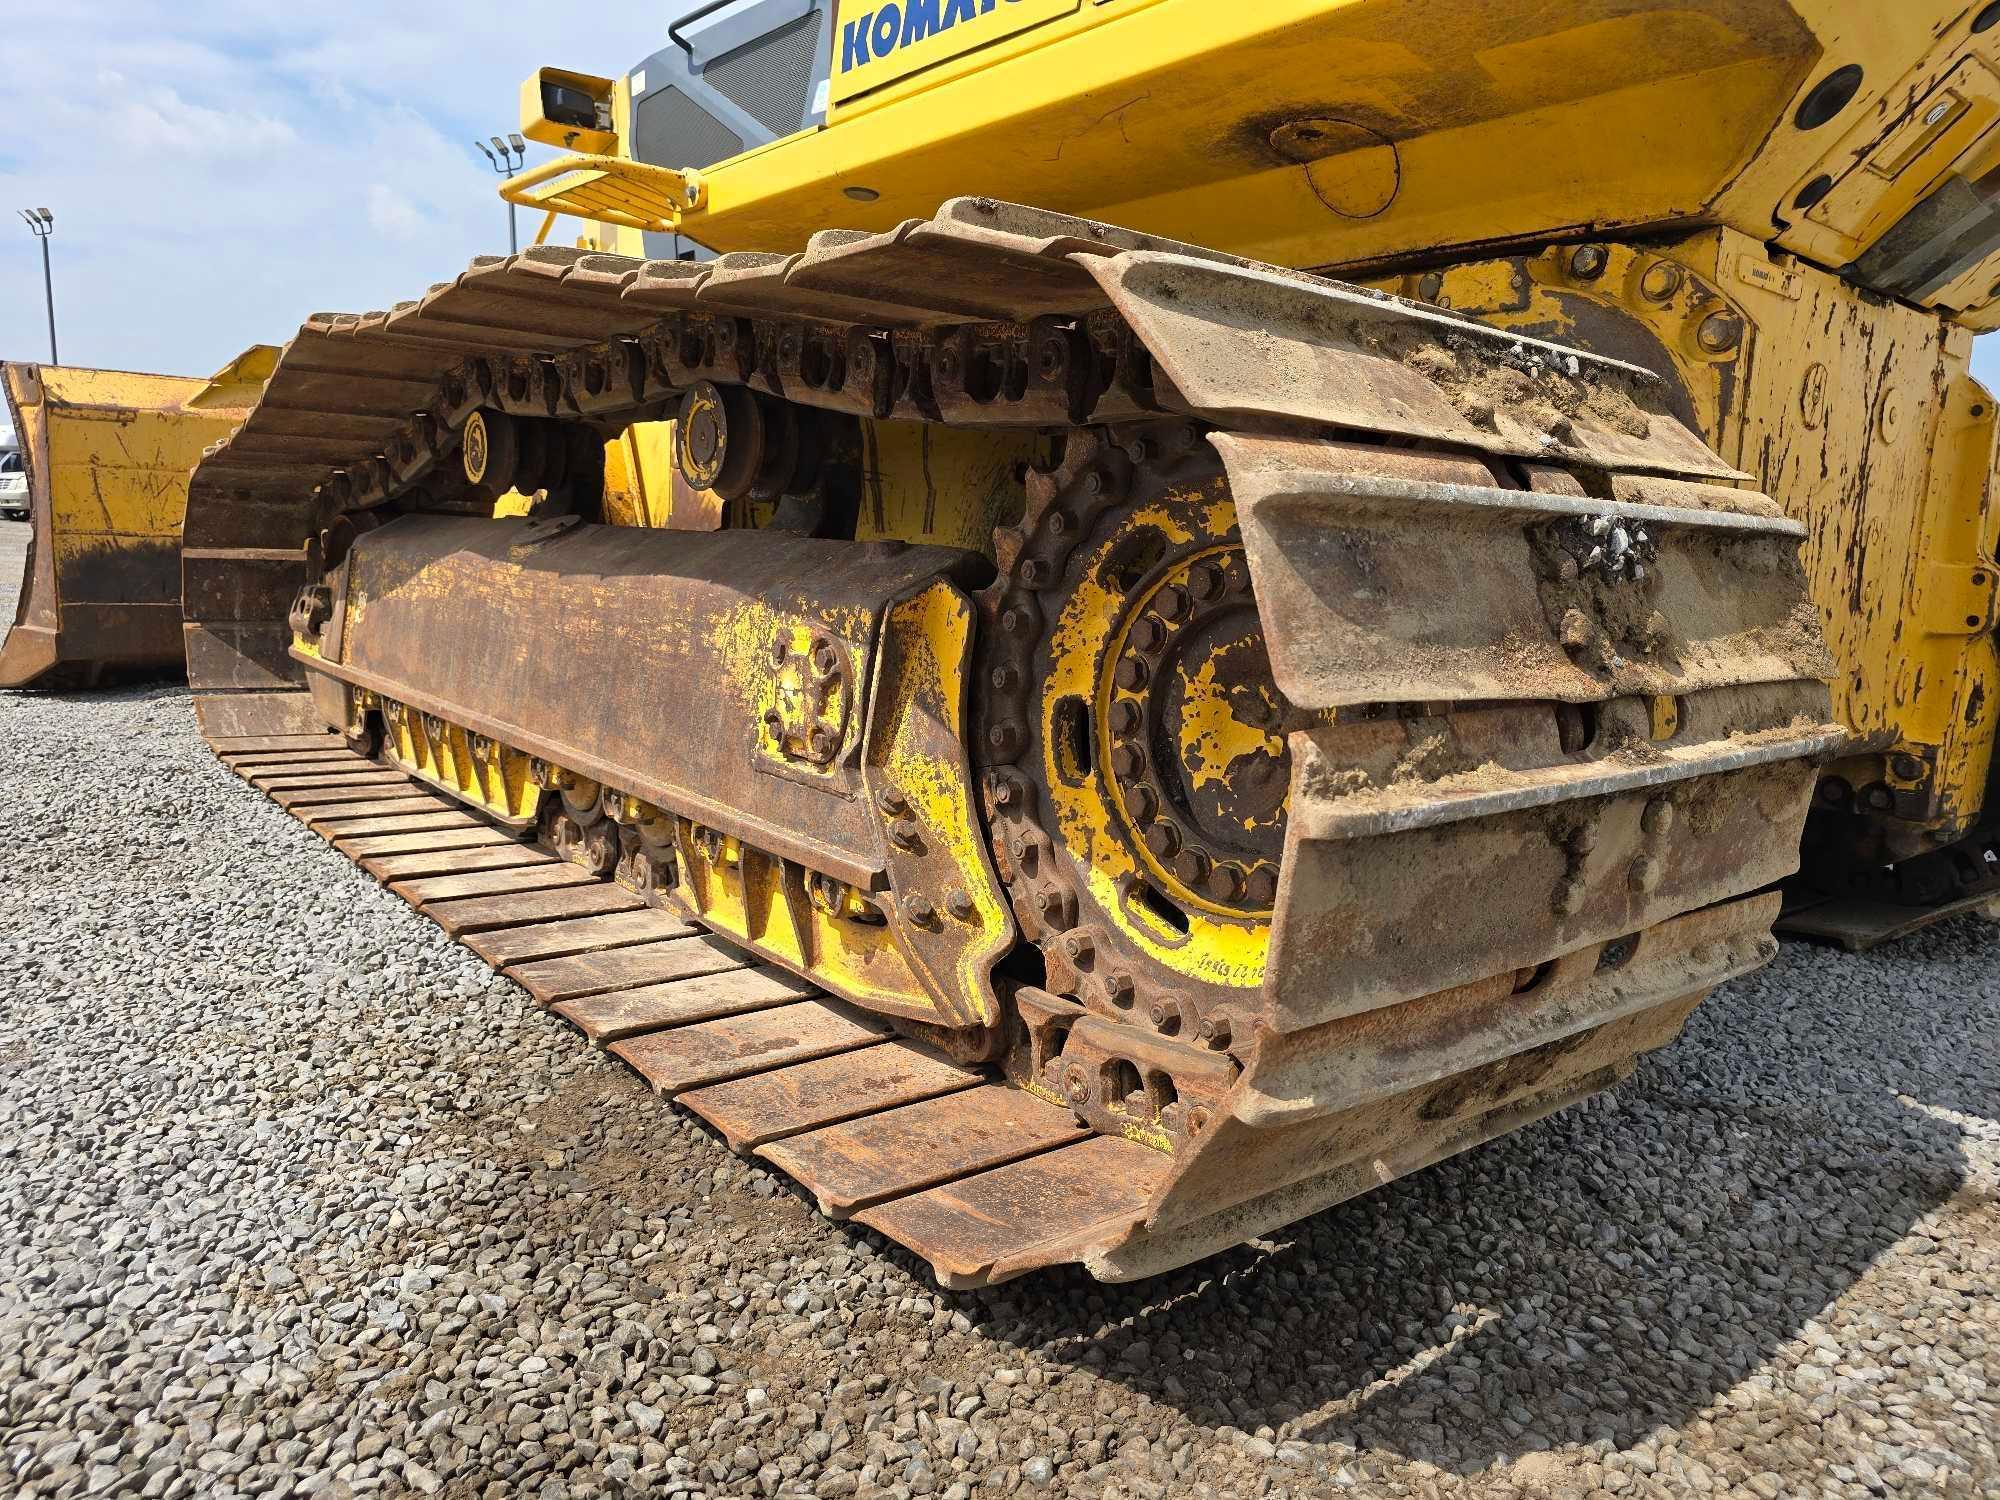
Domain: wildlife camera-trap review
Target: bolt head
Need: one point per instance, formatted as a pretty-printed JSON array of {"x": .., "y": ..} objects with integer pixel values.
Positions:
[
  {"x": 1119, "y": 989},
  {"x": 1078, "y": 947},
  {"x": 960, "y": 904},
  {"x": 1261, "y": 888},
  {"x": 1569, "y": 897},
  {"x": 1172, "y": 602},
  {"x": 1225, "y": 883},
  {"x": 1719, "y": 332},
  {"x": 1164, "y": 839},
  {"x": 1662, "y": 281},
  {"x": 1588, "y": 262},
  {"x": 1127, "y": 762},
  {"x": 1204, "y": 582},
  {"x": 1132, "y": 673},
  {"x": 1126, "y": 717},
  {"x": 1658, "y": 818},
  {"x": 1191, "y": 865}
]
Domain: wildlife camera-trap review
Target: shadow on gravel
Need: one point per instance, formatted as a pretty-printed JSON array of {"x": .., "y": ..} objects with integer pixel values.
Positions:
[{"x": 1598, "y": 1275}]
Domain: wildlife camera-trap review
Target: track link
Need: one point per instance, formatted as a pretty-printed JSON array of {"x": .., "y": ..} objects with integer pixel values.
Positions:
[{"x": 980, "y": 1178}]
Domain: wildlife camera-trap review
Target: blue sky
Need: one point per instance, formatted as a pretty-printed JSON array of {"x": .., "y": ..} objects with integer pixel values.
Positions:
[{"x": 220, "y": 170}]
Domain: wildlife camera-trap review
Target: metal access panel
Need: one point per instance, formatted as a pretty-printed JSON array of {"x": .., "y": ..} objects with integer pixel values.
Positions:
[{"x": 736, "y": 74}]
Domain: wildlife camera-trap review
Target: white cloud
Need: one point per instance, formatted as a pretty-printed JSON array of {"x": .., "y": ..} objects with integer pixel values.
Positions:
[
  {"x": 160, "y": 120},
  {"x": 223, "y": 170},
  {"x": 393, "y": 214}
]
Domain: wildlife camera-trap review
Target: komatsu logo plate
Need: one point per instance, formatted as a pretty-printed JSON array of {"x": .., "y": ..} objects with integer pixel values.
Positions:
[{"x": 878, "y": 41}]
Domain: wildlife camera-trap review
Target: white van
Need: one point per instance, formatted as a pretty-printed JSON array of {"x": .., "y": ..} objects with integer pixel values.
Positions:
[{"x": 13, "y": 485}]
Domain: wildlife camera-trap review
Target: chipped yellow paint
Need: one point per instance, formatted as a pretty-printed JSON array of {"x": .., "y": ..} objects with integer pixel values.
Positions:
[
  {"x": 1213, "y": 737},
  {"x": 1220, "y": 947},
  {"x": 945, "y": 485},
  {"x": 764, "y": 903},
  {"x": 917, "y": 745},
  {"x": 491, "y": 776}
]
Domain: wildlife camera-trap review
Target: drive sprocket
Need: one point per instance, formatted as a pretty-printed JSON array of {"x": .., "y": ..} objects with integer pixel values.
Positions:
[{"x": 1137, "y": 771}]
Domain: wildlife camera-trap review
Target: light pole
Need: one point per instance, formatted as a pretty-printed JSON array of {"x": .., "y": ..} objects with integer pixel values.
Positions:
[
  {"x": 43, "y": 224},
  {"x": 513, "y": 155}
]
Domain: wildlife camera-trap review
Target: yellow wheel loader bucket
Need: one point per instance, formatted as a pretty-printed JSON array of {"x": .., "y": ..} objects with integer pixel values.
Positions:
[{"x": 107, "y": 454}]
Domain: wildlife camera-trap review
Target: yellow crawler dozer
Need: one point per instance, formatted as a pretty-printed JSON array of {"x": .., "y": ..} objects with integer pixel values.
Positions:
[{"x": 1074, "y": 737}]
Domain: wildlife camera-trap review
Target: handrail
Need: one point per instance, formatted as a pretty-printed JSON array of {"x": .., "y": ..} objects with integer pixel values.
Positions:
[{"x": 610, "y": 190}]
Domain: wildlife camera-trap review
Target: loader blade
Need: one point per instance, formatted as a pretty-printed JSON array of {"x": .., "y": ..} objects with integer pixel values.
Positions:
[{"x": 108, "y": 454}]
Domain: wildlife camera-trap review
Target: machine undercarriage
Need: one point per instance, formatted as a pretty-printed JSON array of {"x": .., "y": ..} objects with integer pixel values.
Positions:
[{"x": 1361, "y": 734}]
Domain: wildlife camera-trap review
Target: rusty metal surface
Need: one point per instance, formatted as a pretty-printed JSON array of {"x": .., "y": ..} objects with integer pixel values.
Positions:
[
  {"x": 552, "y": 980},
  {"x": 337, "y": 824},
  {"x": 333, "y": 781},
  {"x": 582, "y": 935},
  {"x": 1858, "y": 924},
  {"x": 852, "y": 1166},
  {"x": 270, "y": 713},
  {"x": 613, "y": 1015},
  {"x": 521, "y": 908},
  {"x": 686, "y": 1057},
  {"x": 319, "y": 812},
  {"x": 1406, "y": 578},
  {"x": 492, "y": 854},
  {"x": 1059, "y": 1206},
  {"x": 422, "y": 891},
  {"x": 765, "y": 1107},
  {"x": 332, "y": 756},
  {"x": 1319, "y": 1105},
  {"x": 431, "y": 841},
  {"x": 533, "y": 643},
  {"x": 245, "y": 744},
  {"x": 318, "y": 798},
  {"x": 1243, "y": 342}
]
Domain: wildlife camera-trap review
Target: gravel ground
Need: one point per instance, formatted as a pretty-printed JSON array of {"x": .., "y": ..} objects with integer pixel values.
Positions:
[{"x": 297, "y": 1197}]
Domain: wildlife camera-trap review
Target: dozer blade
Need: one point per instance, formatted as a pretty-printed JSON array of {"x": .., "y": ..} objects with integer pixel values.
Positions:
[
  {"x": 1366, "y": 740},
  {"x": 108, "y": 454}
]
